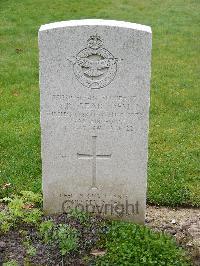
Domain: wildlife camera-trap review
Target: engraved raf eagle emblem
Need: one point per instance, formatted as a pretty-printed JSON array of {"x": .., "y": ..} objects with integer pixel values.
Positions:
[{"x": 95, "y": 67}]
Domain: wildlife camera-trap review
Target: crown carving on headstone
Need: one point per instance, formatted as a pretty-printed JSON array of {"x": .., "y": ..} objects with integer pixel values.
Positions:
[{"x": 95, "y": 42}]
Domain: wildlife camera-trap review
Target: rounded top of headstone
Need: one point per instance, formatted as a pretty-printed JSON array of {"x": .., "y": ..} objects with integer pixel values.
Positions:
[{"x": 95, "y": 22}]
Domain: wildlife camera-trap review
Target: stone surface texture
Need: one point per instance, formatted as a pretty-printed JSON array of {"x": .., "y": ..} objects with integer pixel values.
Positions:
[{"x": 95, "y": 93}]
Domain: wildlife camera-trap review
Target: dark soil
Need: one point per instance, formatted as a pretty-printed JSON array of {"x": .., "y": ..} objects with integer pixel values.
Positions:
[{"x": 12, "y": 244}]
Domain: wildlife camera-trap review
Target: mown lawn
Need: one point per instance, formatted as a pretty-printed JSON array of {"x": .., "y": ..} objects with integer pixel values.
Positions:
[{"x": 173, "y": 175}]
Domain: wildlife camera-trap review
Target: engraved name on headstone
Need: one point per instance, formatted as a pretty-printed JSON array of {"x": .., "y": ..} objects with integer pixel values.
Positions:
[{"x": 95, "y": 92}]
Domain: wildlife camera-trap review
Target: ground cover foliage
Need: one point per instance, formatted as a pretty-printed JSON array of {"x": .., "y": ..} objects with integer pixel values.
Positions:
[
  {"x": 28, "y": 237},
  {"x": 173, "y": 172}
]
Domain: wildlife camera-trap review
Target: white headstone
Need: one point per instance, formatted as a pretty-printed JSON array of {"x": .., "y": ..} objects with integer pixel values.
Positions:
[{"x": 95, "y": 91}]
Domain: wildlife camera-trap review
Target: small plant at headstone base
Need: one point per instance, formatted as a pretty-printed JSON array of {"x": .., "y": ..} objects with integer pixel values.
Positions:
[
  {"x": 30, "y": 249},
  {"x": 63, "y": 235},
  {"x": 131, "y": 244},
  {"x": 46, "y": 230},
  {"x": 32, "y": 198},
  {"x": 20, "y": 209},
  {"x": 79, "y": 215},
  {"x": 67, "y": 238}
]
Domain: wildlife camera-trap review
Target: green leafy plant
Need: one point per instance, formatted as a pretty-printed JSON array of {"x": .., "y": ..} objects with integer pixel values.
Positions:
[
  {"x": 11, "y": 263},
  {"x": 79, "y": 215},
  {"x": 30, "y": 249},
  {"x": 20, "y": 209},
  {"x": 6, "y": 221},
  {"x": 67, "y": 238},
  {"x": 31, "y": 197},
  {"x": 64, "y": 235},
  {"x": 46, "y": 230},
  {"x": 33, "y": 216}
]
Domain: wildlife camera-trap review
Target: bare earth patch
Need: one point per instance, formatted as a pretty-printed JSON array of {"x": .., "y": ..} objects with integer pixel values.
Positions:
[{"x": 182, "y": 223}]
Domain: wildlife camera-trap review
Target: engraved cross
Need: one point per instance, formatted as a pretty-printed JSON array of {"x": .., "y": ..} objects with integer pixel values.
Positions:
[{"x": 94, "y": 156}]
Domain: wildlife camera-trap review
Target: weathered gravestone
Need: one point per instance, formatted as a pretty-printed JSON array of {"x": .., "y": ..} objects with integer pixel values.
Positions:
[{"x": 95, "y": 86}]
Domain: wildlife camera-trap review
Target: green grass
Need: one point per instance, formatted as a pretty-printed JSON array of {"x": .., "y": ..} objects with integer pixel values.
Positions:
[
  {"x": 130, "y": 244},
  {"x": 173, "y": 174}
]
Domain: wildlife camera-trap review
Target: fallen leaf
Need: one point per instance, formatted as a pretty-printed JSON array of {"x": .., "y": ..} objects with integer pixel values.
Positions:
[
  {"x": 28, "y": 206},
  {"x": 7, "y": 185},
  {"x": 18, "y": 50},
  {"x": 97, "y": 252}
]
